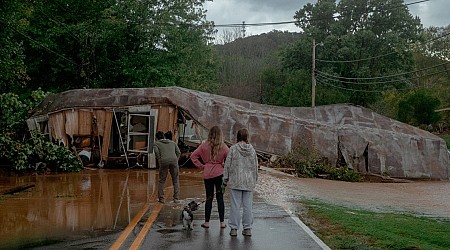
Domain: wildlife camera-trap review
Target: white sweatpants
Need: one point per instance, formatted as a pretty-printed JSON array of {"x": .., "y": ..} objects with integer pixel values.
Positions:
[{"x": 240, "y": 198}]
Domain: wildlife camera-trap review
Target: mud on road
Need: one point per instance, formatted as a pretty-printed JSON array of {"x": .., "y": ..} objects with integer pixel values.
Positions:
[{"x": 425, "y": 198}]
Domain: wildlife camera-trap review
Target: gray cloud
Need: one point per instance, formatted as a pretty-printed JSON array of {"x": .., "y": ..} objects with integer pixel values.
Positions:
[{"x": 431, "y": 13}]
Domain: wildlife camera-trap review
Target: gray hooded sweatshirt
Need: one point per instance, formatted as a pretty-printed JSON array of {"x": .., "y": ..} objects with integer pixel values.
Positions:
[
  {"x": 241, "y": 167},
  {"x": 166, "y": 151}
]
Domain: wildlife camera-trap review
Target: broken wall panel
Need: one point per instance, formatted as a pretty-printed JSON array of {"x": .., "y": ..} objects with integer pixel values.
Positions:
[
  {"x": 56, "y": 123},
  {"x": 71, "y": 124},
  {"x": 167, "y": 118},
  {"x": 84, "y": 122}
]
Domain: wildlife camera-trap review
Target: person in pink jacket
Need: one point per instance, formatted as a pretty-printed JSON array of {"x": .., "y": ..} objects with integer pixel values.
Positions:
[{"x": 210, "y": 157}]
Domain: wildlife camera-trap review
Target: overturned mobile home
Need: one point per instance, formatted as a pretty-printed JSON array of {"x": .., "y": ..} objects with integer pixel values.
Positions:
[{"x": 105, "y": 120}]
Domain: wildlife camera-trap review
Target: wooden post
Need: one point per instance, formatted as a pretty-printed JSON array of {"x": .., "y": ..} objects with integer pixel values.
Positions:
[{"x": 313, "y": 83}]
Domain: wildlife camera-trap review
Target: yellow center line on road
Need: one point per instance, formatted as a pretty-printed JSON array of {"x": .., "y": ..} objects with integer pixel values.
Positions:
[
  {"x": 141, "y": 236},
  {"x": 124, "y": 235}
]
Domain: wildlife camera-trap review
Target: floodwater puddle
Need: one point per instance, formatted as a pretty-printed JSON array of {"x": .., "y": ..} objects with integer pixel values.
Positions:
[{"x": 71, "y": 206}]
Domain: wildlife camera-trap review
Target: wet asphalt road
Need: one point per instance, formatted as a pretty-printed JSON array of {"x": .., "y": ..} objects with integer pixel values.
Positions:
[{"x": 274, "y": 227}]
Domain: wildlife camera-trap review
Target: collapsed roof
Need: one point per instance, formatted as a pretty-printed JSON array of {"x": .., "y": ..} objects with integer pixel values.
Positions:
[{"x": 368, "y": 142}]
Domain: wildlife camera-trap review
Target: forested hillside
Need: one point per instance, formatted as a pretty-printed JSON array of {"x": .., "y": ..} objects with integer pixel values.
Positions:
[{"x": 244, "y": 62}]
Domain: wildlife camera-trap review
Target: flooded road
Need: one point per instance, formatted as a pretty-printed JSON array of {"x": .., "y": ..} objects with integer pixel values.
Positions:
[
  {"x": 425, "y": 198},
  {"x": 71, "y": 206},
  {"x": 94, "y": 203}
]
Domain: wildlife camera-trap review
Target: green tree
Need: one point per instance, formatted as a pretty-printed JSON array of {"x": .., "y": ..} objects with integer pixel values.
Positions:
[
  {"x": 362, "y": 43},
  {"x": 112, "y": 43},
  {"x": 13, "y": 75},
  {"x": 419, "y": 109},
  {"x": 242, "y": 63},
  {"x": 18, "y": 148}
]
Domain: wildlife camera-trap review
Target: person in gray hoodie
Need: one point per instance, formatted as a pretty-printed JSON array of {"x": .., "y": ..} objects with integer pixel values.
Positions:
[
  {"x": 167, "y": 154},
  {"x": 240, "y": 175}
]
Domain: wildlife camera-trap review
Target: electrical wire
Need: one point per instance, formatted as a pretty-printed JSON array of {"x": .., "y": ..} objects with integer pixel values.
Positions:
[
  {"x": 360, "y": 90},
  {"x": 382, "y": 77},
  {"x": 38, "y": 43},
  {"x": 369, "y": 83},
  {"x": 356, "y": 83},
  {"x": 234, "y": 25},
  {"x": 379, "y": 56}
]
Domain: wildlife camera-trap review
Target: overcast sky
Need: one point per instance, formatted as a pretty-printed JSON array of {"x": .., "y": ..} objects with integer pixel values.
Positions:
[{"x": 431, "y": 13}]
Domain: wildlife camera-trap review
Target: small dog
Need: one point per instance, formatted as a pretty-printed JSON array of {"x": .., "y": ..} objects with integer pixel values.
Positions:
[{"x": 187, "y": 217}]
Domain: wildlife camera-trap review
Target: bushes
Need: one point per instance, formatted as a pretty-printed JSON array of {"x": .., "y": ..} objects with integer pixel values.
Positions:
[
  {"x": 418, "y": 109},
  {"x": 310, "y": 163},
  {"x": 22, "y": 151},
  {"x": 24, "y": 155}
]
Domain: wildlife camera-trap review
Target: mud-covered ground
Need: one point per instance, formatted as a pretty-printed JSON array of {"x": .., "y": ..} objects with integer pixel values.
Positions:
[{"x": 427, "y": 198}]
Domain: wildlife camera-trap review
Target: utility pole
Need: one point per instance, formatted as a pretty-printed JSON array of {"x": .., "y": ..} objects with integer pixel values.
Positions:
[{"x": 313, "y": 86}]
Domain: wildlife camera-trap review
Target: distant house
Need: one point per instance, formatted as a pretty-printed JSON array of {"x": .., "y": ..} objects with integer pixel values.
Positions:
[{"x": 118, "y": 122}]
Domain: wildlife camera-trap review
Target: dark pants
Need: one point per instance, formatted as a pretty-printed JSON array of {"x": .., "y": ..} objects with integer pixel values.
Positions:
[
  {"x": 164, "y": 169},
  {"x": 209, "y": 187}
]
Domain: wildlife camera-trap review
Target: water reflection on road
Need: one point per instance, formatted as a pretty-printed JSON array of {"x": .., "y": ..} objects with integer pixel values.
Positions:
[{"x": 75, "y": 205}]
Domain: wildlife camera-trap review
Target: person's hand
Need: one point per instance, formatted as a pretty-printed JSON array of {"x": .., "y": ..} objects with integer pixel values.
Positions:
[{"x": 224, "y": 185}]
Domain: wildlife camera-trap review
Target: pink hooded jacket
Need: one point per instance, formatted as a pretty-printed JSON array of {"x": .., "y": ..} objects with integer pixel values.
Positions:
[{"x": 211, "y": 168}]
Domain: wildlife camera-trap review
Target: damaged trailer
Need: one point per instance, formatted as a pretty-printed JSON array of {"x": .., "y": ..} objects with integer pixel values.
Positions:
[{"x": 362, "y": 139}]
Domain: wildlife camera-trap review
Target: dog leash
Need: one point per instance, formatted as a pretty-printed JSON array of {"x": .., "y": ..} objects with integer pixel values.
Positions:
[{"x": 212, "y": 196}]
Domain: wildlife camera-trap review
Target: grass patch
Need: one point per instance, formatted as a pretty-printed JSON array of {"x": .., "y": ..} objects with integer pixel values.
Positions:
[
  {"x": 345, "y": 228},
  {"x": 446, "y": 138}
]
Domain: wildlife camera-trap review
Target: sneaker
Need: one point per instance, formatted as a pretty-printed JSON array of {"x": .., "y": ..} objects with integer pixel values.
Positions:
[
  {"x": 233, "y": 232},
  {"x": 161, "y": 200},
  {"x": 247, "y": 232},
  {"x": 176, "y": 201}
]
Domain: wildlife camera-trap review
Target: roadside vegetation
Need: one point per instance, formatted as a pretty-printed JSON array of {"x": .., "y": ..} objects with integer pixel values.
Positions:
[
  {"x": 309, "y": 163},
  {"x": 446, "y": 138},
  {"x": 348, "y": 228},
  {"x": 22, "y": 152}
]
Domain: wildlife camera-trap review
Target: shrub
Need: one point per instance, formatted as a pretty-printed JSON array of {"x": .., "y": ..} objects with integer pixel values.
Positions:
[
  {"x": 23, "y": 155},
  {"x": 22, "y": 151},
  {"x": 418, "y": 109},
  {"x": 307, "y": 163},
  {"x": 344, "y": 174},
  {"x": 310, "y": 163}
]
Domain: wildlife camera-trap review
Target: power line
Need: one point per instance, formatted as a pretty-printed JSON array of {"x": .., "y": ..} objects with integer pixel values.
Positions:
[
  {"x": 38, "y": 43},
  {"x": 359, "y": 90},
  {"x": 370, "y": 83},
  {"x": 238, "y": 25},
  {"x": 235, "y": 25},
  {"x": 379, "y": 56},
  {"x": 381, "y": 77},
  {"x": 356, "y": 83}
]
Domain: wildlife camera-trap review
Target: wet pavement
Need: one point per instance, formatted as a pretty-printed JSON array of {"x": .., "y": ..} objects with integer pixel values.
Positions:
[
  {"x": 273, "y": 229},
  {"x": 91, "y": 210}
]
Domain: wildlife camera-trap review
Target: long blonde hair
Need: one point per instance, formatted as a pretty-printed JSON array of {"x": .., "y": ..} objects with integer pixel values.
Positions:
[{"x": 215, "y": 139}]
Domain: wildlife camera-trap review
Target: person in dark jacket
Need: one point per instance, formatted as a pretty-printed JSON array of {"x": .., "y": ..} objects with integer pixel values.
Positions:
[
  {"x": 240, "y": 175},
  {"x": 167, "y": 154}
]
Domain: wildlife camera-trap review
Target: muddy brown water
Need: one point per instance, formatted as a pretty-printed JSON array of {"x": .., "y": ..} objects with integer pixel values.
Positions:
[
  {"x": 74, "y": 205},
  {"x": 424, "y": 198},
  {"x": 62, "y": 207}
]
